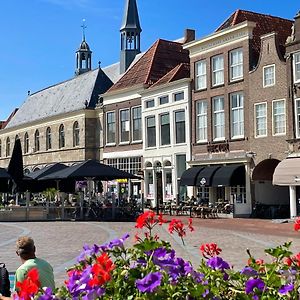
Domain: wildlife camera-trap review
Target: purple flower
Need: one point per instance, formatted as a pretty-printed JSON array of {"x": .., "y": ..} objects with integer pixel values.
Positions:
[
  {"x": 248, "y": 271},
  {"x": 87, "y": 252},
  {"x": 286, "y": 288},
  {"x": 118, "y": 242},
  {"x": 149, "y": 283},
  {"x": 253, "y": 283},
  {"x": 217, "y": 263},
  {"x": 48, "y": 295}
]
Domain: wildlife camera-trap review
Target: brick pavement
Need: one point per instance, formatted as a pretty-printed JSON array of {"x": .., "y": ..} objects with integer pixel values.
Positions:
[{"x": 61, "y": 242}]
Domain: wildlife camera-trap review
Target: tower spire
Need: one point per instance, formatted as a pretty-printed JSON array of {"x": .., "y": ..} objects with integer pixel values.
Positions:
[
  {"x": 83, "y": 54},
  {"x": 130, "y": 35}
]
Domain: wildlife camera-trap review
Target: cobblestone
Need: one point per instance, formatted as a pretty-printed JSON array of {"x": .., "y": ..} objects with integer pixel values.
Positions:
[{"x": 61, "y": 242}]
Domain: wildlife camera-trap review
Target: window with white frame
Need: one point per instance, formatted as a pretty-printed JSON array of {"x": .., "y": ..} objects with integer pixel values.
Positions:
[
  {"x": 217, "y": 70},
  {"x": 269, "y": 75},
  {"x": 178, "y": 96},
  {"x": 151, "y": 131},
  {"x": 201, "y": 111},
  {"x": 297, "y": 107},
  {"x": 180, "y": 126},
  {"x": 237, "y": 115},
  {"x": 219, "y": 118},
  {"x": 110, "y": 127},
  {"x": 297, "y": 67},
  {"x": 260, "y": 119},
  {"x": 163, "y": 100},
  {"x": 136, "y": 123},
  {"x": 238, "y": 194},
  {"x": 165, "y": 129},
  {"x": 278, "y": 117},
  {"x": 124, "y": 125},
  {"x": 236, "y": 64},
  {"x": 200, "y": 75},
  {"x": 149, "y": 103}
]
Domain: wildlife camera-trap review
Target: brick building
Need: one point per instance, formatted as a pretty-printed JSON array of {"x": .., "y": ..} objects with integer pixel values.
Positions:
[{"x": 223, "y": 66}]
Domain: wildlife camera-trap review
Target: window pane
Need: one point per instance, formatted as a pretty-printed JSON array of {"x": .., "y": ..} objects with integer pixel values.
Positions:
[
  {"x": 149, "y": 103},
  {"x": 180, "y": 126},
  {"x": 279, "y": 117},
  {"x": 179, "y": 96},
  {"x": 218, "y": 70},
  {"x": 111, "y": 128},
  {"x": 237, "y": 115},
  {"x": 201, "y": 120},
  {"x": 269, "y": 76},
  {"x": 137, "y": 124},
  {"x": 236, "y": 64},
  {"x": 163, "y": 100},
  {"x": 261, "y": 119},
  {"x": 151, "y": 137},
  {"x": 124, "y": 122},
  {"x": 165, "y": 129},
  {"x": 219, "y": 118},
  {"x": 200, "y": 74}
]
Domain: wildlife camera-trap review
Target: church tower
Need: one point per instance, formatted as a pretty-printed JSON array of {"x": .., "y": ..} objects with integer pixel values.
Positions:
[
  {"x": 130, "y": 35},
  {"x": 83, "y": 55}
]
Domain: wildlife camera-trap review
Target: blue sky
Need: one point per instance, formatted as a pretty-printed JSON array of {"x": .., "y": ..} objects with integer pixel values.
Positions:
[{"x": 39, "y": 37}]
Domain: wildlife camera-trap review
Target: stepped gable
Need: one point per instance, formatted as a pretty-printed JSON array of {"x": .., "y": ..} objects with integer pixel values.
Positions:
[
  {"x": 179, "y": 72},
  {"x": 77, "y": 93},
  {"x": 264, "y": 24},
  {"x": 160, "y": 59}
]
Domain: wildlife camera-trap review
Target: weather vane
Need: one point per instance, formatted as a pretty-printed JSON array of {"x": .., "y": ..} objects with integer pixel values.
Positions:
[{"x": 83, "y": 29}]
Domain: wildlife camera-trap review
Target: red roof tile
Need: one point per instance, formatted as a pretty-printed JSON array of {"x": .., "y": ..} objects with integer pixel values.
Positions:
[
  {"x": 264, "y": 24},
  {"x": 179, "y": 72},
  {"x": 4, "y": 123},
  {"x": 161, "y": 58}
]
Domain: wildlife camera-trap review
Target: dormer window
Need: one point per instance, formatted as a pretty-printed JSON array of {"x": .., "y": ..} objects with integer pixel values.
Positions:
[{"x": 269, "y": 76}]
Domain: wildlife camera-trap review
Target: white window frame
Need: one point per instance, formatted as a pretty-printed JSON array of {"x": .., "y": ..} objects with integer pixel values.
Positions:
[
  {"x": 200, "y": 77},
  {"x": 273, "y": 117},
  {"x": 203, "y": 117},
  {"x": 236, "y": 65},
  {"x": 255, "y": 118},
  {"x": 176, "y": 94},
  {"x": 216, "y": 115},
  {"x": 214, "y": 71},
  {"x": 240, "y": 121},
  {"x": 149, "y": 101},
  {"x": 297, "y": 118},
  {"x": 127, "y": 124},
  {"x": 264, "y": 74},
  {"x": 132, "y": 123},
  {"x": 296, "y": 76},
  {"x": 106, "y": 127}
]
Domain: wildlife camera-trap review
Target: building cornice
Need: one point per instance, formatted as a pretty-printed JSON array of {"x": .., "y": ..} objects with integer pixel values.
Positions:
[{"x": 234, "y": 34}]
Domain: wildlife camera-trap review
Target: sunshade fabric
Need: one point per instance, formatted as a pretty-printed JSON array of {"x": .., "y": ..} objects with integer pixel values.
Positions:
[
  {"x": 4, "y": 174},
  {"x": 46, "y": 171},
  {"x": 287, "y": 172},
  {"x": 265, "y": 169},
  {"x": 204, "y": 177},
  {"x": 189, "y": 176},
  {"x": 230, "y": 175},
  {"x": 89, "y": 169},
  {"x": 4, "y": 178}
]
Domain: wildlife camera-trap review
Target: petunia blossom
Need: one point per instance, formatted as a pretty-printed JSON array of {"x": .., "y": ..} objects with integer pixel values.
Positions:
[
  {"x": 149, "y": 283},
  {"x": 285, "y": 289},
  {"x": 254, "y": 283}
]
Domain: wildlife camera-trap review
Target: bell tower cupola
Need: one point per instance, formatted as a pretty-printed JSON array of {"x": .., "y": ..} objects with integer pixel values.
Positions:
[
  {"x": 83, "y": 55},
  {"x": 130, "y": 35}
]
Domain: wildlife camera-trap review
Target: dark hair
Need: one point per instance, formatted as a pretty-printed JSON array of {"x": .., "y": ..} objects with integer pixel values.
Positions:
[{"x": 25, "y": 246}]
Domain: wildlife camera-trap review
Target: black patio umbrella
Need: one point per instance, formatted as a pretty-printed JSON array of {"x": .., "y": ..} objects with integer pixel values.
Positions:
[
  {"x": 15, "y": 167},
  {"x": 4, "y": 179},
  {"x": 32, "y": 183},
  {"x": 89, "y": 169}
]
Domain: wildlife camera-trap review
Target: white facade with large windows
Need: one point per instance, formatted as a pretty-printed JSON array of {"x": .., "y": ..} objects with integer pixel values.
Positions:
[{"x": 166, "y": 136}]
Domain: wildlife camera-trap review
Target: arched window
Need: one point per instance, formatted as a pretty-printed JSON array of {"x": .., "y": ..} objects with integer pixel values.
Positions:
[
  {"x": 75, "y": 134},
  {"x": 61, "y": 141},
  {"x": 8, "y": 147},
  {"x": 0, "y": 148},
  {"x": 26, "y": 143},
  {"x": 37, "y": 141},
  {"x": 48, "y": 139}
]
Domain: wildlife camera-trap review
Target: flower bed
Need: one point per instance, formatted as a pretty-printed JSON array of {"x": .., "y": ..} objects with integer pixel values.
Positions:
[{"x": 151, "y": 270}]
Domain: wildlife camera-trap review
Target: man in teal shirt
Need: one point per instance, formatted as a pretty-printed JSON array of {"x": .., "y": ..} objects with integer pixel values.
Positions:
[{"x": 26, "y": 251}]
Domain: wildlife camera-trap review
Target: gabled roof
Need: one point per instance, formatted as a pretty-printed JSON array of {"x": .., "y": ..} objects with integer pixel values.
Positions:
[
  {"x": 160, "y": 59},
  {"x": 77, "y": 93},
  {"x": 4, "y": 123},
  {"x": 264, "y": 24},
  {"x": 179, "y": 72}
]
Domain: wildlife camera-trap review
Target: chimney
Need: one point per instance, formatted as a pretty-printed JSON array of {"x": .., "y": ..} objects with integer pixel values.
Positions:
[{"x": 189, "y": 35}]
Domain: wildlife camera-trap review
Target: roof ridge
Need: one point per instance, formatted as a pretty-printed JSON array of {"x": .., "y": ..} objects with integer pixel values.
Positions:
[
  {"x": 235, "y": 16},
  {"x": 265, "y": 15}
]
